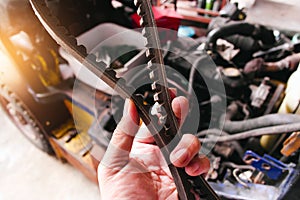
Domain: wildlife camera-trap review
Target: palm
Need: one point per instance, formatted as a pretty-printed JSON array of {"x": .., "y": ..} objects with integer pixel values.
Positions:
[
  {"x": 148, "y": 173},
  {"x": 160, "y": 178},
  {"x": 134, "y": 168}
]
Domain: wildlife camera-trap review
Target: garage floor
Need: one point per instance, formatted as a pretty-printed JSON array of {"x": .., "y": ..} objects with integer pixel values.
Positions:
[{"x": 27, "y": 173}]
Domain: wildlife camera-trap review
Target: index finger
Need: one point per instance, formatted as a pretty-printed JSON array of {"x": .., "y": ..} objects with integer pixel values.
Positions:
[
  {"x": 118, "y": 150},
  {"x": 180, "y": 106}
]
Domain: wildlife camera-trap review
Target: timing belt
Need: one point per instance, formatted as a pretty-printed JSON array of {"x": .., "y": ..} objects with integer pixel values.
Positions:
[{"x": 164, "y": 128}]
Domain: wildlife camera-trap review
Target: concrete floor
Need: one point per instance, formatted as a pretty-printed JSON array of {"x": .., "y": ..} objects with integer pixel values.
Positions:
[{"x": 28, "y": 173}]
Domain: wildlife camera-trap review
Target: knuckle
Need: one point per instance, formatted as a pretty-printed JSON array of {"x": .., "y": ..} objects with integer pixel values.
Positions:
[
  {"x": 118, "y": 132},
  {"x": 196, "y": 143},
  {"x": 192, "y": 142},
  {"x": 207, "y": 164}
]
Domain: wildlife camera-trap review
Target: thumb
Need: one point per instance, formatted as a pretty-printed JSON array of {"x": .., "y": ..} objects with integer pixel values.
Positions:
[{"x": 117, "y": 153}]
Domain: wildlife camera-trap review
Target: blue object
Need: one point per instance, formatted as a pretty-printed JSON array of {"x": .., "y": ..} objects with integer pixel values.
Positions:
[
  {"x": 270, "y": 166},
  {"x": 186, "y": 31}
]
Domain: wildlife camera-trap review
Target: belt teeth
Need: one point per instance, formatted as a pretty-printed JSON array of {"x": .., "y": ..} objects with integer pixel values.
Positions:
[
  {"x": 111, "y": 73},
  {"x": 162, "y": 119},
  {"x": 140, "y": 11},
  {"x": 145, "y": 42},
  {"x": 150, "y": 44},
  {"x": 72, "y": 40},
  {"x": 149, "y": 53},
  {"x": 167, "y": 129},
  {"x": 150, "y": 64},
  {"x": 91, "y": 58},
  {"x": 145, "y": 20},
  {"x": 121, "y": 82},
  {"x": 139, "y": 97},
  {"x": 137, "y": 2},
  {"x": 146, "y": 33},
  {"x": 160, "y": 109},
  {"x": 143, "y": 23},
  {"x": 155, "y": 86},
  {"x": 153, "y": 75},
  {"x": 81, "y": 48},
  {"x": 158, "y": 97}
]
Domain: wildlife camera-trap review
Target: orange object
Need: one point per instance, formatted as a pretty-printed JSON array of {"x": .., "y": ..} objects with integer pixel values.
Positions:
[{"x": 291, "y": 145}]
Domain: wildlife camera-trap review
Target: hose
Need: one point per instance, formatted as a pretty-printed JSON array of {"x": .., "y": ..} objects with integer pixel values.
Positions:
[
  {"x": 240, "y": 28},
  {"x": 273, "y": 130},
  {"x": 192, "y": 73},
  {"x": 260, "y": 122},
  {"x": 235, "y": 144}
]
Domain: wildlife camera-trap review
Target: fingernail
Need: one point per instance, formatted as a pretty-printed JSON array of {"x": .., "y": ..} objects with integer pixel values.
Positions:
[{"x": 181, "y": 155}]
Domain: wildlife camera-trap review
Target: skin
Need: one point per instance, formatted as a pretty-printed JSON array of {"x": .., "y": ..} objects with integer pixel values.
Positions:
[{"x": 133, "y": 166}]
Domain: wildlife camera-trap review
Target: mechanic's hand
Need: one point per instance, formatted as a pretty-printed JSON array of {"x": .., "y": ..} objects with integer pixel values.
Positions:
[{"x": 134, "y": 168}]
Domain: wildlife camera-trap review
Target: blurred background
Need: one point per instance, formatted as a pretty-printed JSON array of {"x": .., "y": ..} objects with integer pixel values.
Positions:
[{"x": 28, "y": 173}]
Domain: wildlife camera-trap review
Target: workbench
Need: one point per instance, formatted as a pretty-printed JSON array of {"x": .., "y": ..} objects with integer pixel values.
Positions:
[{"x": 278, "y": 14}]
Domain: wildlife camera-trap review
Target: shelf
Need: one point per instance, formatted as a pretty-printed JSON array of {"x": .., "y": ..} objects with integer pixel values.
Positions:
[{"x": 189, "y": 11}]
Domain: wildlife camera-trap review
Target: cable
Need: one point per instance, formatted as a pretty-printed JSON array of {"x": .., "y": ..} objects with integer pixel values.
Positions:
[
  {"x": 273, "y": 130},
  {"x": 205, "y": 61},
  {"x": 212, "y": 131},
  {"x": 239, "y": 180},
  {"x": 192, "y": 74},
  {"x": 238, "y": 168},
  {"x": 244, "y": 167},
  {"x": 235, "y": 144},
  {"x": 260, "y": 122}
]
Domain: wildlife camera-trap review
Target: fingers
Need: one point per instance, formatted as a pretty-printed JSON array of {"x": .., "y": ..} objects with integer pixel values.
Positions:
[
  {"x": 117, "y": 153},
  {"x": 186, "y": 155},
  {"x": 173, "y": 93},
  {"x": 180, "y": 106},
  {"x": 144, "y": 136},
  {"x": 185, "y": 151},
  {"x": 198, "y": 165}
]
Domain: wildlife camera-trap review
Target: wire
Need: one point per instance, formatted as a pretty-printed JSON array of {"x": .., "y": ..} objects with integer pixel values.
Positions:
[
  {"x": 273, "y": 130},
  {"x": 238, "y": 168},
  {"x": 213, "y": 131},
  {"x": 244, "y": 167},
  {"x": 176, "y": 85},
  {"x": 192, "y": 73},
  {"x": 236, "y": 176},
  {"x": 260, "y": 122},
  {"x": 235, "y": 144}
]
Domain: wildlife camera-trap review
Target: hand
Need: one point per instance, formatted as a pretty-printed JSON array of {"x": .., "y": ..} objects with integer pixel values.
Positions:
[{"x": 134, "y": 168}]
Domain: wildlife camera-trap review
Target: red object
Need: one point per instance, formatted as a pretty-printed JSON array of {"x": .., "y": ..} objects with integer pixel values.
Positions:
[{"x": 165, "y": 18}]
